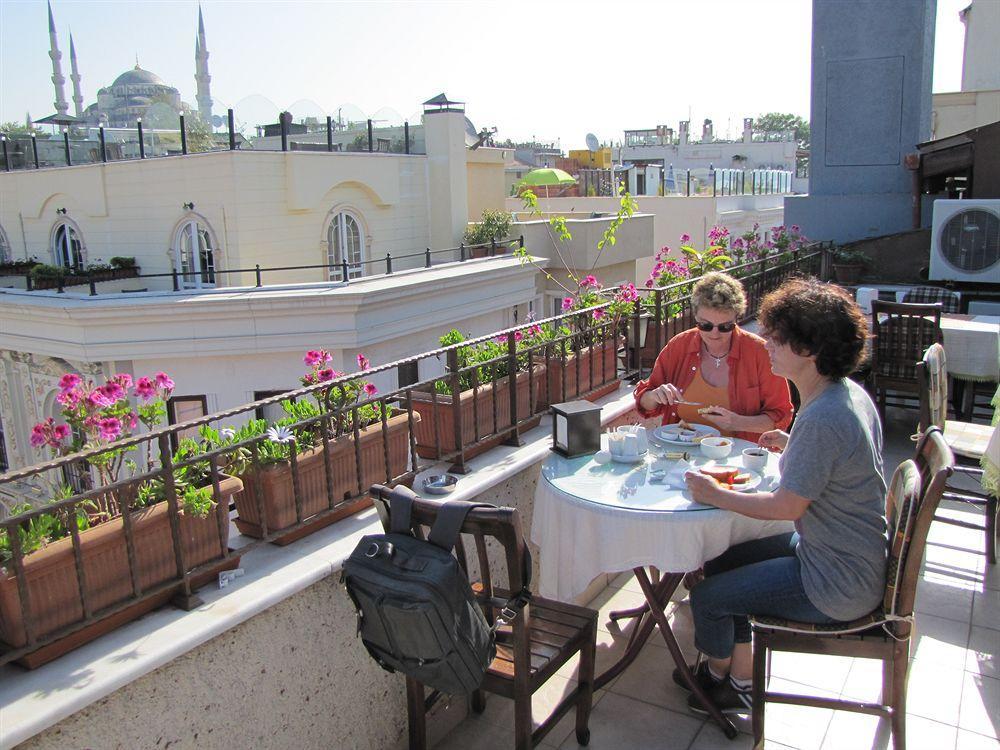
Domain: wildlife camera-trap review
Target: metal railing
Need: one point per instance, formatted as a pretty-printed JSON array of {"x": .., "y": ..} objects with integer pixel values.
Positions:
[
  {"x": 342, "y": 272},
  {"x": 494, "y": 388}
]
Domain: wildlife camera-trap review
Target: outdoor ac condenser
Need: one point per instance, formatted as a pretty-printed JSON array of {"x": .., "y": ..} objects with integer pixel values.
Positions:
[{"x": 965, "y": 241}]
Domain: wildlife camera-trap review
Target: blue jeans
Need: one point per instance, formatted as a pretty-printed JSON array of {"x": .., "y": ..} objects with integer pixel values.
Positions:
[{"x": 759, "y": 577}]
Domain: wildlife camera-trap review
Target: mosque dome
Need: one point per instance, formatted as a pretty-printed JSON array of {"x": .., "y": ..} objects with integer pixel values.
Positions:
[{"x": 137, "y": 76}]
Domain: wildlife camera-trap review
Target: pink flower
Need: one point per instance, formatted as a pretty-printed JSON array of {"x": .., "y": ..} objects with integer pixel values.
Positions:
[
  {"x": 123, "y": 379},
  {"x": 69, "y": 381},
  {"x": 145, "y": 389},
  {"x": 308, "y": 379},
  {"x": 163, "y": 381},
  {"x": 590, "y": 281},
  {"x": 38, "y": 438},
  {"x": 518, "y": 336},
  {"x": 70, "y": 399},
  {"x": 659, "y": 266},
  {"x": 61, "y": 431},
  {"x": 370, "y": 389},
  {"x": 112, "y": 391},
  {"x": 598, "y": 313},
  {"x": 133, "y": 420},
  {"x": 535, "y": 330},
  {"x": 649, "y": 283},
  {"x": 567, "y": 303},
  {"x": 795, "y": 228},
  {"x": 313, "y": 357},
  {"x": 685, "y": 239},
  {"x": 98, "y": 399},
  {"x": 109, "y": 428},
  {"x": 363, "y": 362},
  {"x": 628, "y": 293},
  {"x": 325, "y": 375}
]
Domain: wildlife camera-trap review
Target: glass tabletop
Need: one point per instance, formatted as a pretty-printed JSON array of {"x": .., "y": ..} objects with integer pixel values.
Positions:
[{"x": 635, "y": 486}]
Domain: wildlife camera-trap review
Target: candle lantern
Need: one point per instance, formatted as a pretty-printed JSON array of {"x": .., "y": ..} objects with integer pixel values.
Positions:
[{"x": 576, "y": 428}]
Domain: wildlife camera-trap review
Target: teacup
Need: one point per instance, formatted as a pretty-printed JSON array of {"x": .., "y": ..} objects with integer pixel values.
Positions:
[{"x": 755, "y": 458}]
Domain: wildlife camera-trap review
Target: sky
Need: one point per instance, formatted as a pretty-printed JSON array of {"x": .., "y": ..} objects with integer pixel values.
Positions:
[{"x": 547, "y": 69}]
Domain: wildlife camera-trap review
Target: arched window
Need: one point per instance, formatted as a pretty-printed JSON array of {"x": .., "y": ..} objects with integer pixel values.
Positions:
[
  {"x": 345, "y": 241},
  {"x": 67, "y": 247},
  {"x": 194, "y": 255},
  {"x": 5, "y": 254}
]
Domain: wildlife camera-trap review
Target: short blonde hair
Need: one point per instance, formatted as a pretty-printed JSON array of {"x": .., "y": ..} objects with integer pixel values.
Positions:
[{"x": 719, "y": 291}]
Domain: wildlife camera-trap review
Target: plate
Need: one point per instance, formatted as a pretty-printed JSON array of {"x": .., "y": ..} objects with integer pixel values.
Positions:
[
  {"x": 629, "y": 459},
  {"x": 668, "y": 434},
  {"x": 752, "y": 484}
]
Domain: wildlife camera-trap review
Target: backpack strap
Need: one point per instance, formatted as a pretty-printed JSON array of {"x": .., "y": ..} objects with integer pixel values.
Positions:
[
  {"x": 448, "y": 524},
  {"x": 400, "y": 509}
]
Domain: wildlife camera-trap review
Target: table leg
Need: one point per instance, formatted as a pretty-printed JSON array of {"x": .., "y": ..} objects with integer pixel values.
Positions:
[
  {"x": 639, "y": 611},
  {"x": 660, "y": 617},
  {"x": 643, "y": 629}
]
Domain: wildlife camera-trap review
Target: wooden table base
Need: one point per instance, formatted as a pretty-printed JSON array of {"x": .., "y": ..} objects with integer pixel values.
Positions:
[{"x": 650, "y": 614}]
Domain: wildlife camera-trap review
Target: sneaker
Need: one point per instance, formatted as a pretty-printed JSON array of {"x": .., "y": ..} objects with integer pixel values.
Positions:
[
  {"x": 726, "y": 697},
  {"x": 701, "y": 675}
]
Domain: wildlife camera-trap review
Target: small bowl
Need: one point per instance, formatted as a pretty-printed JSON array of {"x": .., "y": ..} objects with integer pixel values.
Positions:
[
  {"x": 716, "y": 447},
  {"x": 440, "y": 484},
  {"x": 755, "y": 458}
]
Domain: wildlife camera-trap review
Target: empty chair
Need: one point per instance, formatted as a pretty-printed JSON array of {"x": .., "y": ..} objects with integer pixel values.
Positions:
[
  {"x": 967, "y": 440},
  {"x": 928, "y": 295},
  {"x": 903, "y": 332}
]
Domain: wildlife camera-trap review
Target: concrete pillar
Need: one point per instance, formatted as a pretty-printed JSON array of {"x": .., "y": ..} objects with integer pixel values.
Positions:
[
  {"x": 748, "y": 130},
  {"x": 683, "y": 133},
  {"x": 444, "y": 134},
  {"x": 706, "y": 132},
  {"x": 871, "y": 104}
]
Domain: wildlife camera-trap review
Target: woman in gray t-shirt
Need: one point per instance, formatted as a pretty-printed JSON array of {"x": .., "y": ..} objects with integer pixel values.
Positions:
[{"x": 832, "y": 567}]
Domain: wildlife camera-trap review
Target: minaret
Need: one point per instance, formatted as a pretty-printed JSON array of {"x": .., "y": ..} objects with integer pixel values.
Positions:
[
  {"x": 74, "y": 76},
  {"x": 57, "y": 77},
  {"x": 201, "y": 75}
]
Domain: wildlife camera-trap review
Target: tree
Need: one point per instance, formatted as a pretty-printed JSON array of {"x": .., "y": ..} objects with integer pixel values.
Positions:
[
  {"x": 773, "y": 122},
  {"x": 16, "y": 128},
  {"x": 199, "y": 135}
]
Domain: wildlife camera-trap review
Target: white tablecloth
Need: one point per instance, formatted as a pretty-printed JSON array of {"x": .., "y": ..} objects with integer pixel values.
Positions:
[
  {"x": 972, "y": 344},
  {"x": 591, "y": 519}
]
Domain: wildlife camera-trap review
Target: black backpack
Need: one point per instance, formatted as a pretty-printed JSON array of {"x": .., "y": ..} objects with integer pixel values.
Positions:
[{"x": 416, "y": 611}]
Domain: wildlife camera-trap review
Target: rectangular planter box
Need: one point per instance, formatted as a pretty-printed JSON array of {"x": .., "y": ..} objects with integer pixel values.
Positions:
[
  {"x": 481, "y": 414},
  {"x": 275, "y": 481},
  {"x": 80, "y": 279},
  {"x": 567, "y": 381},
  {"x": 50, "y": 573},
  {"x": 670, "y": 328}
]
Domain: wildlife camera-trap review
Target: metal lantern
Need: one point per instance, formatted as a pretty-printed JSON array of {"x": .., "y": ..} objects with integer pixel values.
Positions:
[{"x": 576, "y": 428}]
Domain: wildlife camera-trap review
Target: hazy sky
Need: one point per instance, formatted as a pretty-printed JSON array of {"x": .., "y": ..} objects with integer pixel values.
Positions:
[{"x": 553, "y": 70}]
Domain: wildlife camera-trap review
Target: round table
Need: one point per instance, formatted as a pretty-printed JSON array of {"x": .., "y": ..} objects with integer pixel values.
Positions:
[{"x": 591, "y": 519}]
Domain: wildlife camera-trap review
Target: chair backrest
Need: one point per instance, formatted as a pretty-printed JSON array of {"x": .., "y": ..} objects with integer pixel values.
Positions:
[
  {"x": 928, "y": 294},
  {"x": 500, "y": 524},
  {"x": 932, "y": 374},
  {"x": 903, "y": 332},
  {"x": 902, "y": 502},
  {"x": 935, "y": 463}
]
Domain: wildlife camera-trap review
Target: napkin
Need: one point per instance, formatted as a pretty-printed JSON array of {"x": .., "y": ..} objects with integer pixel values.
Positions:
[{"x": 675, "y": 474}]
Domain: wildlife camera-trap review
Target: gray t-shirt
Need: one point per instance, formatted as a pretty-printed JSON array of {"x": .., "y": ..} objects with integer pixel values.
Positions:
[{"x": 834, "y": 459}]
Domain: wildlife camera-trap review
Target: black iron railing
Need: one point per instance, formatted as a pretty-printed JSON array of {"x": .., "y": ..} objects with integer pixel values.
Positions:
[{"x": 493, "y": 388}]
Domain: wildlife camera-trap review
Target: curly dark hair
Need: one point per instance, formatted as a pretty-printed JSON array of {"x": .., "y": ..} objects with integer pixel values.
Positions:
[{"x": 815, "y": 318}]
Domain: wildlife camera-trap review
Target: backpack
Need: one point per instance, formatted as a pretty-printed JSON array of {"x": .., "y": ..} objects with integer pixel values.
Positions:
[{"x": 416, "y": 611}]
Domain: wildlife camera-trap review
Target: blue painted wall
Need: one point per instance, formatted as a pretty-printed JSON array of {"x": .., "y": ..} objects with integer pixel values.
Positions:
[{"x": 872, "y": 63}]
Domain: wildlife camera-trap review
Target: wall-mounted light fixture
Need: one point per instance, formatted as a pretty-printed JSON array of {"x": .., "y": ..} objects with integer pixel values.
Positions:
[
  {"x": 188, "y": 206},
  {"x": 61, "y": 211}
]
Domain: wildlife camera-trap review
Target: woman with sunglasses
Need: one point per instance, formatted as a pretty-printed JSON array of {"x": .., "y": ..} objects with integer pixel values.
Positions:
[{"x": 716, "y": 373}]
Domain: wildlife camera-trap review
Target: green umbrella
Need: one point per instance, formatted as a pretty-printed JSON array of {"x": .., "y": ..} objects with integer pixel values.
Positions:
[{"x": 547, "y": 177}]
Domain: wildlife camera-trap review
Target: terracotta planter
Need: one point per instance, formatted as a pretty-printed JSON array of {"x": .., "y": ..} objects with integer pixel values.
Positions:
[
  {"x": 17, "y": 268},
  {"x": 476, "y": 408},
  {"x": 670, "y": 328},
  {"x": 847, "y": 273},
  {"x": 275, "y": 481},
  {"x": 53, "y": 588},
  {"x": 595, "y": 376}
]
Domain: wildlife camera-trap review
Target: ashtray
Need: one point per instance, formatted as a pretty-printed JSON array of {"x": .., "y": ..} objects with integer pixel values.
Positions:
[{"x": 441, "y": 484}]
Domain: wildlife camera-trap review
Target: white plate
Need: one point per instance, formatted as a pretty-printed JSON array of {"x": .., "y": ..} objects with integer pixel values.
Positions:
[
  {"x": 752, "y": 484},
  {"x": 668, "y": 434},
  {"x": 629, "y": 459}
]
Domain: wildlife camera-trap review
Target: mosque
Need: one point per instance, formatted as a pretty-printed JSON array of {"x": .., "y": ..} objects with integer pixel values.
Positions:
[{"x": 135, "y": 93}]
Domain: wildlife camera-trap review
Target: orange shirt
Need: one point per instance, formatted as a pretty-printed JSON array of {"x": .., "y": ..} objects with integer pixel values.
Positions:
[
  {"x": 753, "y": 388},
  {"x": 701, "y": 392}
]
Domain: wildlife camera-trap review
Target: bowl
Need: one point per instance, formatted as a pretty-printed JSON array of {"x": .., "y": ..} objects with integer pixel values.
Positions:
[
  {"x": 755, "y": 458},
  {"x": 716, "y": 447},
  {"x": 440, "y": 484}
]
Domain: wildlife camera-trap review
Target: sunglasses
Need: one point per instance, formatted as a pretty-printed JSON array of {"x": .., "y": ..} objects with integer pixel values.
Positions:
[{"x": 705, "y": 326}]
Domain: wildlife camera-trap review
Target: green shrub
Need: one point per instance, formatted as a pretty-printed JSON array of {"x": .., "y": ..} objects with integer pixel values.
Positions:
[
  {"x": 122, "y": 262},
  {"x": 46, "y": 271},
  {"x": 494, "y": 226}
]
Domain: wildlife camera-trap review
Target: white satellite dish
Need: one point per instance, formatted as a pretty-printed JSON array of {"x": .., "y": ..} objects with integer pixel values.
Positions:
[
  {"x": 592, "y": 143},
  {"x": 471, "y": 134}
]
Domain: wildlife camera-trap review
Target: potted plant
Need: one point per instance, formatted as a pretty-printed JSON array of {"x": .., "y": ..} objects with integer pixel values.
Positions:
[
  {"x": 45, "y": 276},
  {"x": 327, "y": 471},
  {"x": 96, "y": 417},
  {"x": 848, "y": 264},
  {"x": 484, "y": 408},
  {"x": 494, "y": 228},
  {"x": 17, "y": 267}
]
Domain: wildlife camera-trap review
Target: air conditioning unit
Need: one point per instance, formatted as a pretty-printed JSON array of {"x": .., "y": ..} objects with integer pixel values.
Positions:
[{"x": 965, "y": 241}]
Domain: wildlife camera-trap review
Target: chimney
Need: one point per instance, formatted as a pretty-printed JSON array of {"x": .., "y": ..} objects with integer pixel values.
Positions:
[
  {"x": 748, "y": 130},
  {"x": 683, "y": 131},
  {"x": 444, "y": 134},
  {"x": 706, "y": 132}
]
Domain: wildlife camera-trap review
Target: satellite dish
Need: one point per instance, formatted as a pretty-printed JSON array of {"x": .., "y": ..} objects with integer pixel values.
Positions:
[
  {"x": 471, "y": 134},
  {"x": 592, "y": 143},
  {"x": 216, "y": 121}
]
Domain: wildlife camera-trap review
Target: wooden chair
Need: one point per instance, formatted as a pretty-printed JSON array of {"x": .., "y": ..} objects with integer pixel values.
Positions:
[
  {"x": 543, "y": 636},
  {"x": 902, "y": 334},
  {"x": 924, "y": 295},
  {"x": 911, "y": 500},
  {"x": 967, "y": 441}
]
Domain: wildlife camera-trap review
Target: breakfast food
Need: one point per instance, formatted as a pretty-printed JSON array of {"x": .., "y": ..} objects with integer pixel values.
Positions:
[
  {"x": 705, "y": 409},
  {"x": 725, "y": 475},
  {"x": 682, "y": 425}
]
